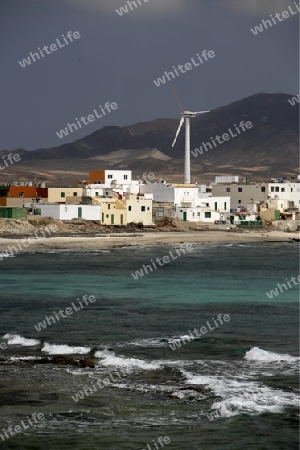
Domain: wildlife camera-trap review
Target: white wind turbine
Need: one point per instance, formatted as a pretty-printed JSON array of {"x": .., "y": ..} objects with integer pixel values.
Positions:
[{"x": 186, "y": 116}]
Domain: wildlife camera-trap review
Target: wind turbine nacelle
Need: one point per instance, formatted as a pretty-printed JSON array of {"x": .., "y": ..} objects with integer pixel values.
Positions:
[{"x": 189, "y": 114}]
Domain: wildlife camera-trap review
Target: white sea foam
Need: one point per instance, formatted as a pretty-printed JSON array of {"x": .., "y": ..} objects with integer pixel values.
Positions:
[
  {"x": 158, "y": 342},
  {"x": 15, "y": 339},
  {"x": 23, "y": 358},
  {"x": 109, "y": 358},
  {"x": 243, "y": 397},
  {"x": 257, "y": 354},
  {"x": 63, "y": 349}
]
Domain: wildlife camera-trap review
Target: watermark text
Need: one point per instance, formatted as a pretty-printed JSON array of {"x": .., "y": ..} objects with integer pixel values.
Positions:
[{"x": 48, "y": 49}]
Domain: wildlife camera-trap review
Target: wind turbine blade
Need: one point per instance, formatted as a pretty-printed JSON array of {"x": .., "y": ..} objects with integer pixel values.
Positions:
[
  {"x": 179, "y": 128},
  {"x": 177, "y": 98},
  {"x": 201, "y": 112}
]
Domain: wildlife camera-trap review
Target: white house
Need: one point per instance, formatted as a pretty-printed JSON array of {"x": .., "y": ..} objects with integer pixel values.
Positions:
[
  {"x": 198, "y": 215},
  {"x": 209, "y": 210},
  {"x": 69, "y": 211},
  {"x": 119, "y": 180},
  {"x": 177, "y": 194},
  {"x": 108, "y": 177},
  {"x": 96, "y": 190}
]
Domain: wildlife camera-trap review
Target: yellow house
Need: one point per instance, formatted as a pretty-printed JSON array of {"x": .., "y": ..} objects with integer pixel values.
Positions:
[{"x": 113, "y": 211}]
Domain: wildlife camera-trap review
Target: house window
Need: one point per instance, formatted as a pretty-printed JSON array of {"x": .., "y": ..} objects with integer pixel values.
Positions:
[
  {"x": 263, "y": 189},
  {"x": 96, "y": 193},
  {"x": 282, "y": 190},
  {"x": 109, "y": 176},
  {"x": 239, "y": 202},
  {"x": 74, "y": 194},
  {"x": 125, "y": 177},
  {"x": 108, "y": 206},
  {"x": 291, "y": 189},
  {"x": 277, "y": 189},
  {"x": 272, "y": 188},
  {"x": 207, "y": 204},
  {"x": 198, "y": 214},
  {"x": 240, "y": 189},
  {"x": 62, "y": 194},
  {"x": 193, "y": 214},
  {"x": 216, "y": 206},
  {"x": 208, "y": 215},
  {"x": 21, "y": 194},
  {"x": 107, "y": 216},
  {"x": 227, "y": 189},
  {"x": 225, "y": 206},
  {"x": 129, "y": 208},
  {"x": 143, "y": 208},
  {"x": 148, "y": 209}
]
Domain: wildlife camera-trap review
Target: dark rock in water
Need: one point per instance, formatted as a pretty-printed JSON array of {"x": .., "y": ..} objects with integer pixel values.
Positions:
[
  {"x": 66, "y": 361},
  {"x": 45, "y": 360},
  {"x": 87, "y": 363},
  {"x": 192, "y": 388}
]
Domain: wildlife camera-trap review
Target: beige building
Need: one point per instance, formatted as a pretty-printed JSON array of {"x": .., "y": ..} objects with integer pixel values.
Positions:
[
  {"x": 60, "y": 195},
  {"x": 139, "y": 209},
  {"x": 121, "y": 211},
  {"x": 15, "y": 202}
]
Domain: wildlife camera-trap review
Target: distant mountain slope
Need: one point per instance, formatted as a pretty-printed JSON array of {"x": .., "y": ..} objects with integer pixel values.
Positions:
[{"x": 270, "y": 148}]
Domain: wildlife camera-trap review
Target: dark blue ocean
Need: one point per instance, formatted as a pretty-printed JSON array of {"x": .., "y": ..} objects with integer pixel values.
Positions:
[{"x": 155, "y": 384}]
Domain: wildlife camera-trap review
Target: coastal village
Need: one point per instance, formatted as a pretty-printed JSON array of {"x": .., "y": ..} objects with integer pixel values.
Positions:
[{"x": 112, "y": 198}]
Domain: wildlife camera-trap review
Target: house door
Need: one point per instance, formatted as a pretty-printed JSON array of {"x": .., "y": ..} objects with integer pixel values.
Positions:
[
  {"x": 112, "y": 219},
  {"x": 79, "y": 213},
  {"x": 121, "y": 219},
  {"x": 184, "y": 216}
]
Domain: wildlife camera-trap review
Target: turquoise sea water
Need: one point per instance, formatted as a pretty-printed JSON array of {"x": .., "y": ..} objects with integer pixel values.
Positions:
[{"x": 245, "y": 371}]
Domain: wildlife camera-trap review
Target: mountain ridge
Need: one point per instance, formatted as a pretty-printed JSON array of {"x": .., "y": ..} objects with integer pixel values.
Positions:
[{"x": 268, "y": 149}]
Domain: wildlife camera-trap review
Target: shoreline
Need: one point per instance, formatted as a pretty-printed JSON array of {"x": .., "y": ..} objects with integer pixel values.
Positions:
[{"x": 114, "y": 241}]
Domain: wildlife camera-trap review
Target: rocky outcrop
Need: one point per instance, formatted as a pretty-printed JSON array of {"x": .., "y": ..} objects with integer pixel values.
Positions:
[{"x": 66, "y": 361}]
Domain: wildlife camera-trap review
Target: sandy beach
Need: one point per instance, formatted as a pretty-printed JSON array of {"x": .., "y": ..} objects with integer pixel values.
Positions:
[{"x": 140, "y": 238}]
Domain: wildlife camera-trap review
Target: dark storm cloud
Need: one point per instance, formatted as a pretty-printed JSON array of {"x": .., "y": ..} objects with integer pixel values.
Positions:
[{"x": 117, "y": 58}]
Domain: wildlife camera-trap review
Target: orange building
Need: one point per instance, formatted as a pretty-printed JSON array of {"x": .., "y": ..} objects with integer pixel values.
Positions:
[
  {"x": 19, "y": 195},
  {"x": 96, "y": 177}
]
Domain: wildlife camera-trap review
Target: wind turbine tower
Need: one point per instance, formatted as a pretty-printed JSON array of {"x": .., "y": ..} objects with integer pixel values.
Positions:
[{"x": 186, "y": 116}]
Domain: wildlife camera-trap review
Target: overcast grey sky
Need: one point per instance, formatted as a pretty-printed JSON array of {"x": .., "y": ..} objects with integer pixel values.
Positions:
[{"x": 117, "y": 58}]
